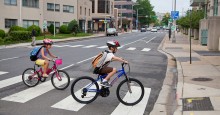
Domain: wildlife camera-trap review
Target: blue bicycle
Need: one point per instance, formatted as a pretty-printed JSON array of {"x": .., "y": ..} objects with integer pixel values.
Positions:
[{"x": 130, "y": 91}]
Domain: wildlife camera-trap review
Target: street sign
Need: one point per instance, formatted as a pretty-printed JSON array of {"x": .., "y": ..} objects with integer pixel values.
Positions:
[
  {"x": 173, "y": 28},
  {"x": 45, "y": 24},
  {"x": 174, "y": 15},
  {"x": 105, "y": 21}
]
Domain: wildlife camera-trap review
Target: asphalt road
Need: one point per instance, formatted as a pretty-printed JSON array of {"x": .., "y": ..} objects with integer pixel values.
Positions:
[{"x": 141, "y": 50}]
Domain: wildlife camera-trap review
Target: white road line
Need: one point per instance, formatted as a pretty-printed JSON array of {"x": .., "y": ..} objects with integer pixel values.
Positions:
[
  {"x": 10, "y": 81},
  {"x": 31, "y": 93},
  {"x": 2, "y": 72},
  {"x": 102, "y": 47},
  {"x": 76, "y": 46},
  {"x": 131, "y": 48},
  {"x": 86, "y": 60},
  {"x": 8, "y": 58},
  {"x": 90, "y": 46},
  {"x": 71, "y": 104},
  {"x": 58, "y": 46},
  {"x": 146, "y": 49},
  {"x": 137, "y": 109}
]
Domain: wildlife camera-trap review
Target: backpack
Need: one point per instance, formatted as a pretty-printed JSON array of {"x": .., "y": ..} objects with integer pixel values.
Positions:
[
  {"x": 34, "y": 53},
  {"x": 98, "y": 61}
]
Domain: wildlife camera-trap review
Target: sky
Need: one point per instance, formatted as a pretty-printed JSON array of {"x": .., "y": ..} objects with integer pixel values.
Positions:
[{"x": 164, "y": 6}]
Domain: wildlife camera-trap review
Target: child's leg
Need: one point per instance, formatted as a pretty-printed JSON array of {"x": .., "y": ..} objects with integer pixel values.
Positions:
[
  {"x": 46, "y": 64},
  {"x": 110, "y": 71}
]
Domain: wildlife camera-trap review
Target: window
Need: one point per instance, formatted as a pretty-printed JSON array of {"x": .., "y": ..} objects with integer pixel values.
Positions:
[
  {"x": 93, "y": 6},
  {"x": 215, "y": 10},
  {"x": 10, "y": 22},
  {"x": 31, "y": 3},
  {"x": 65, "y": 23},
  {"x": 67, "y": 8},
  {"x": 80, "y": 10},
  {"x": 50, "y": 7},
  {"x": 11, "y": 2},
  {"x": 28, "y": 23},
  {"x": 89, "y": 12},
  {"x": 85, "y": 11},
  {"x": 57, "y": 24}
]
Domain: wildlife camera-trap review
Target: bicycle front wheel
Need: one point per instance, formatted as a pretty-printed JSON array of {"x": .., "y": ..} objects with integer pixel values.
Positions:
[
  {"x": 60, "y": 80},
  {"x": 130, "y": 92},
  {"x": 85, "y": 90},
  {"x": 30, "y": 77}
]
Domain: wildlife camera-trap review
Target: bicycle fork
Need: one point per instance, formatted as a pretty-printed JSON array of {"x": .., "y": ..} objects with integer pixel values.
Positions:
[{"x": 128, "y": 83}]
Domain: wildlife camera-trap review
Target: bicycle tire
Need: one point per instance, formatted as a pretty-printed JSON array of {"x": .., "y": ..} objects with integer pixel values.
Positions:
[
  {"x": 63, "y": 85},
  {"x": 125, "y": 82},
  {"x": 30, "y": 78},
  {"x": 80, "y": 92}
]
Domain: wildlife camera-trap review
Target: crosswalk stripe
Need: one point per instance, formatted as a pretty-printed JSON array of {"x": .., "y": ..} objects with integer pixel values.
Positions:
[
  {"x": 30, "y": 93},
  {"x": 58, "y": 46},
  {"x": 102, "y": 47},
  {"x": 90, "y": 46},
  {"x": 2, "y": 72},
  {"x": 131, "y": 48},
  {"x": 10, "y": 81},
  {"x": 76, "y": 46},
  {"x": 146, "y": 49},
  {"x": 69, "y": 103},
  {"x": 137, "y": 109}
]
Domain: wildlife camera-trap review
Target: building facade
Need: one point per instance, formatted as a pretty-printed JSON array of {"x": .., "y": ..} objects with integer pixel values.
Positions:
[{"x": 102, "y": 14}]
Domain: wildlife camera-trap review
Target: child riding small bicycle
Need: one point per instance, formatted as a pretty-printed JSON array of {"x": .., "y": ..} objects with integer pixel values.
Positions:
[
  {"x": 43, "y": 60},
  {"x": 113, "y": 47}
]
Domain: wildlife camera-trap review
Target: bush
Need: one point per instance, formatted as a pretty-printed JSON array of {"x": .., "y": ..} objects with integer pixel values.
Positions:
[
  {"x": 51, "y": 28},
  {"x": 16, "y": 28},
  {"x": 64, "y": 29},
  {"x": 73, "y": 27},
  {"x": 36, "y": 28},
  {"x": 2, "y": 33},
  {"x": 20, "y": 35}
]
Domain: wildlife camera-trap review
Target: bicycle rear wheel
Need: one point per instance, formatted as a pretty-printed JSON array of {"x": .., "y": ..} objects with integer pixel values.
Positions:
[
  {"x": 130, "y": 98},
  {"x": 84, "y": 90},
  {"x": 30, "y": 77},
  {"x": 60, "y": 80}
]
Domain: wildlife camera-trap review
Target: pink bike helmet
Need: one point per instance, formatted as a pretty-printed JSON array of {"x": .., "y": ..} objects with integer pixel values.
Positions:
[{"x": 48, "y": 41}]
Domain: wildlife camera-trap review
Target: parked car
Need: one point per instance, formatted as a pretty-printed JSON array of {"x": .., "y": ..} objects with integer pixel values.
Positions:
[
  {"x": 143, "y": 29},
  {"x": 111, "y": 31},
  {"x": 148, "y": 29},
  {"x": 154, "y": 29}
]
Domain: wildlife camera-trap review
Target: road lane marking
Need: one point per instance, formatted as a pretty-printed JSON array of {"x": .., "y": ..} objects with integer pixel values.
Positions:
[
  {"x": 71, "y": 104},
  {"x": 2, "y": 72},
  {"x": 10, "y": 81},
  {"x": 30, "y": 93},
  {"x": 102, "y": 47},
  {"x": 59, "y": 46},
  {"x": 131, "y": 48},
  {"x": 90, "y": 46},
  {"x": 8, "y": 59},
  {"x": 137, "y": 109},
  {"x": 146, "y": 49},
  {"x": 76, "y": 46}
]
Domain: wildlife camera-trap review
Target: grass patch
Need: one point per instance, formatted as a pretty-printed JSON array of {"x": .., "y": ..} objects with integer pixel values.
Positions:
[{"x": 63, "y": 36}]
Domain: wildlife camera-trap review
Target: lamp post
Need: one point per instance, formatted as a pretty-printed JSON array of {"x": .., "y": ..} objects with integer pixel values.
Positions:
[
  {"x": 174, "y": 23},
  {"x": 105, "y": 16},
  {"x": 137, "y": 21},
  {"x": 190, "y": 14},
  {"x": 54, "y": 30},
  {"x": 121, "y": 19},
  {"x": 205, "y": 16}
]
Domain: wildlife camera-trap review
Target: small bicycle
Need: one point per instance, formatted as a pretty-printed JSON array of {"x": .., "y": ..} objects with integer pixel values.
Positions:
[
  {"x": 86, "y": 89},
  {"x": 60, "y": 79}
]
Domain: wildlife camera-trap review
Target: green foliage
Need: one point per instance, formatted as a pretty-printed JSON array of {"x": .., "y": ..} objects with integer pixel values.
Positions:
[
  {"x": 51, "y": 28},
  {"x": 2, "y": 33},
  {"x": 64, "y": 29},
  {"x": 165, "y": 19},
  {"x": 20, "y": 35},
  {"x": 73, "y": 27},
  {"x": 36, "y": 28},
  {"x": 145, "y": 9},
  {"x": 16, "y": 28}
]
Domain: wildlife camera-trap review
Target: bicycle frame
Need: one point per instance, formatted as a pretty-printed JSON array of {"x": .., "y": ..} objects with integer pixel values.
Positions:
[{"x": 101, "y": 77}]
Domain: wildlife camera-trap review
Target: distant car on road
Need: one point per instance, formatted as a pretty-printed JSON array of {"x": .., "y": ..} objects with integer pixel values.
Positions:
[
  {"x": 111, "y": 31},
  {"x": 148, "y": 29},
  {"x": 143, "y": 29},
  {"x": 154, "y": 29}
]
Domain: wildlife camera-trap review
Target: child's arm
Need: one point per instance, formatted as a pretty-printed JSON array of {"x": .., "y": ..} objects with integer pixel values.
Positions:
[
  {"x": 43, "y": 56},
  {"x": 114, "y": 58},
  {"x": 51, "y": 55}
]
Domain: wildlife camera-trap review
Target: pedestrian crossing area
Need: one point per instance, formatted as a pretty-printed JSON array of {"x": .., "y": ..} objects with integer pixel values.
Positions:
[
  {"x": 66, "y": 103},
  {"x": 101, "y": 47}
]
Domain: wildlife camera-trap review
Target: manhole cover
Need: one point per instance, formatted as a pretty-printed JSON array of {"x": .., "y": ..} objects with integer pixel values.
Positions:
[
  {"x": 197, "y": 104},
  {"x": 202, "y": 79}
]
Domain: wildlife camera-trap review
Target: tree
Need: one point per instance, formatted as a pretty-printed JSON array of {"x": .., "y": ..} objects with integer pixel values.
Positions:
[
  {"x": 73, "y": 27},
  {"x": 51, "y": 28},
  {"x": 165, "y": 19},
  {"x": 145, "y": 12}
]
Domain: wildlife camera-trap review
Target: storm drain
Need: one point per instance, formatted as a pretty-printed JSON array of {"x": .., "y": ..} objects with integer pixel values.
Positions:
[
  {"x": 202, "y": 79},
  {"x": 197, "y": 104}
]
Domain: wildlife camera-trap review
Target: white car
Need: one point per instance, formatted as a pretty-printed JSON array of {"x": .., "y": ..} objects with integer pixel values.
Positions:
[
  {"x": 154, "y": 29},
  {"x": 148, "y": 29},
  {"x": 111, "y": 31}
]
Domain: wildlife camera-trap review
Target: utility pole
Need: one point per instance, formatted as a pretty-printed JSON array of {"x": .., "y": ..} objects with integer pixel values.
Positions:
[
  {"x": 105, "y": 16},
  {"x": 121, "y": 18},
  {"x": 54, "y": 30},
  {"x": 190, "y": 40},
  {"x": 137, "y": 21},
  {"x": 174, "y": 23}
]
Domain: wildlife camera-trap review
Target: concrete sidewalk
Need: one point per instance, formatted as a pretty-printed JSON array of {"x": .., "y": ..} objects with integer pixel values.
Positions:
[{"x": 198, "y": 86}]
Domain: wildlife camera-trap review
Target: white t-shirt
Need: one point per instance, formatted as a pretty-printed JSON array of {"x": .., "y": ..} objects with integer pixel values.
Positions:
[{"x": 108, "y": 58}]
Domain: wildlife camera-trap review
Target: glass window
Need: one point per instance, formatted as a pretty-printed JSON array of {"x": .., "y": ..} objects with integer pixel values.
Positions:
[
  {"x": 50, "y": 7},
  {"x": 101, "y": 6},
  {"x": 57, "y": 24},
  {"x": 11, "y": 2},
  {"x": 10, "y": 22},
  {"x": 31, "y": 3},
  {"x": 65, "y": 23},
  {"x": 215, "y": 10},
  {"x": 85, "y": 11},
  {"x": 93, "y": 6},
  {"x": 67, "y": 8},
  {"x": 28, "y": 23}
]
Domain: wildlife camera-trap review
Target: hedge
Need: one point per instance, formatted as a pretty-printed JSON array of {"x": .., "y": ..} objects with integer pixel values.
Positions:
[
  {"x": 36, "y": 28},
  {"x": 16, "y": 28},
  {"x": 20, "y": 35},
  {"x": 64, "y": 29},
  {"x": 2, "y": 33}
]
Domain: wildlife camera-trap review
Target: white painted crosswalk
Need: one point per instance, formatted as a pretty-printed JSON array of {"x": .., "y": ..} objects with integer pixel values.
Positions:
[
  {"x": 131, "y": 48},
  {"x": 90, "y": 46}
]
